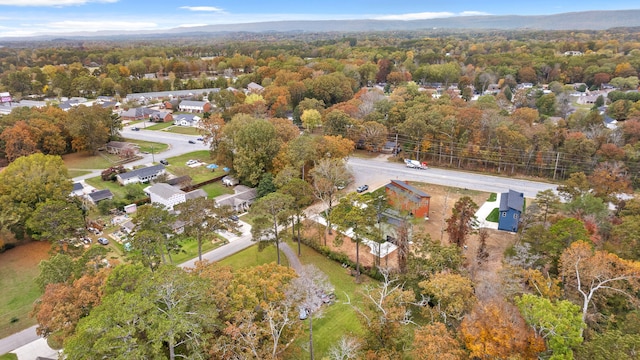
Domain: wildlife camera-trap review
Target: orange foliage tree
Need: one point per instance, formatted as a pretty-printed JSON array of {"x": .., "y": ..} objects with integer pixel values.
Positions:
[{"x": 497, "y": 330}]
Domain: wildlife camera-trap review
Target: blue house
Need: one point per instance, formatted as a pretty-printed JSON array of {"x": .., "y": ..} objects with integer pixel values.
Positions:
[{"x": 511, "y": 206}]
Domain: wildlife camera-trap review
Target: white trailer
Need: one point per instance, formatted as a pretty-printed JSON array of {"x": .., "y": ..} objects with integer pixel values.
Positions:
[{"x": 415, "y": 164}]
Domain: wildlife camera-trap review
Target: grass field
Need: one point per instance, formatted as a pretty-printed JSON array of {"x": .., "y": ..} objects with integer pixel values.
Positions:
[
  {"x": 85, "y": 161},
  {"x": 18, "y": 269},
  {"x": 187, "y": 130},
  {"x": 9, "y": 357},
  {"x": 199, "y": 174},
  {"x": 160, "y": 126},
  {"x": 340, "y": 318},
  {"x": 149, "y": 146},
  {"x": 76, "y": 173},
  {"x": 253, "y": 257},
  {"x": 494, "y": 216},
  {"x": 216, "y": 189},
  {"x": 117, "y": 190},
  {"x": 190, "y": 249}
]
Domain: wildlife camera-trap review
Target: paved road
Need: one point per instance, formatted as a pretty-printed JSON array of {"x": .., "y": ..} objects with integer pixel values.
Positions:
[
  {"x": 378, "y": 171},
  {"x": 18, "y": 339},
  {"x": 236, "y": 244}
]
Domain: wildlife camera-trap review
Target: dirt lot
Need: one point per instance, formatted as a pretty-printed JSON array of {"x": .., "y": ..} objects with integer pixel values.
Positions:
[{"x": 442, "y": 200}]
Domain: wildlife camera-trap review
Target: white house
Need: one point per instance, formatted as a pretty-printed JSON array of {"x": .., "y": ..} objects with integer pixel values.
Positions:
[
  {"x": 194, "y": 106},
  {"x": 169, "y": 196},
  {"x": 186, "y": 120},
  {"x": 140, "y": 175}
]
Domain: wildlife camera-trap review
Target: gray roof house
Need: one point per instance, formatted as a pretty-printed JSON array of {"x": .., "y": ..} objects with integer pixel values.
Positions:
[
  {"x": 99, "y": 195},
  {"x": 241, "y": 200},
  {"x": 140, "y": 175},
  {"x": 169, "y": 196},
  {"x": 186, "y": 120},
  {"x": 194, "y": 106},
  {"x": 78, "y": 189}
]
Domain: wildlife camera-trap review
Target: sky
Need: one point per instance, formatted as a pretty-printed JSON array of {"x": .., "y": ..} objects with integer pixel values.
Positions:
[{"x": 34, "y": 17}]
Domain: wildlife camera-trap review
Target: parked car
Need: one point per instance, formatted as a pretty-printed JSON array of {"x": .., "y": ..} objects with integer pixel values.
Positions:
[
  {"x": 191, "y": 162},
  {"x": 191, "y": 142},
  {"x": 362, "y": 188},
  {"x": 200, "y": 139},
  {"x": 135, "y": 128},
  {"x": 103, "y": 241},
  {"x": 164, "y": 162},
  {"x": 86, "y": 240},
  {"x": 234, "y": 218}
]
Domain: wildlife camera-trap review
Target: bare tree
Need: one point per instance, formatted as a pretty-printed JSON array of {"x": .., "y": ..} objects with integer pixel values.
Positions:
[
  {"x": 327, "y": 175},
  {"x": 313, "y": 290},
  {"x": 348, "y": 348}
]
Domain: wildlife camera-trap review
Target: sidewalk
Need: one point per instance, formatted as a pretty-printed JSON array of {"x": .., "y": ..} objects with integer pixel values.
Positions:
[{"x": 484, "y": 211}]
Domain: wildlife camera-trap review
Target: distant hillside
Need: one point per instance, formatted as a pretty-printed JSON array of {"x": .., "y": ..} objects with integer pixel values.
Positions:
[{"x": 588, "y": 20}]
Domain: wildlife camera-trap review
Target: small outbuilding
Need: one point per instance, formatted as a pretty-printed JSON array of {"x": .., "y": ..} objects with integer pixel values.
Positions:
[{"x": 406, "y": 197}]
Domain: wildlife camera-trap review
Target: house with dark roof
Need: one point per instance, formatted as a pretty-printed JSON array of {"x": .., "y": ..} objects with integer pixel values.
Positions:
[
  {"x": 511, "y": 207},
  {"x": 99, "y": 195},
  {"x": 161, "y": 116},
  {"x": 138, "y": 113},
  {"x": 78, "y": 189},
  {"x": 254, "y": 88},
  {"x": 140, "y": 175},
  {"x": 406, "y": 197}
]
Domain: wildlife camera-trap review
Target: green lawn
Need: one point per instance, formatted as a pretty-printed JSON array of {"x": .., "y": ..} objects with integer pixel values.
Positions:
[
  {"x": 190, "y": 249},
  {"x": 149, "y": 146},
  {"x": 340, "y": 318},
  {"x": 492, "y": 197},
  {"x": 9, "y": 357},
  {"x": 159, "y": 126},
  {"x": 494, "y": 216},
  {"x": 18, "y": 269},
  {"x": 84, "y": 161},
  {"x": 117, "y": 190},
  {"x": 252, "y": 257},
  {"x": 199, "y": 174},
  {"x": 216, "y": 189},
  {"x": 187, "y": 130},
  {"x": 76, "y": 173}
]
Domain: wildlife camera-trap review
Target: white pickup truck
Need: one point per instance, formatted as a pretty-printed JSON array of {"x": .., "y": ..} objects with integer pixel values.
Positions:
[{"x": 415, "y": 164}]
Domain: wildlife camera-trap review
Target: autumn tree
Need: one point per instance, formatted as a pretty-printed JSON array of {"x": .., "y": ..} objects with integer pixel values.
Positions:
[
  {"x": 462, "y": 221},
  {"x": 311, "y": 119},
  {"x": 270, "y": 212},
  {"x": 452, "y": 295},
  {"x": 590, "y": 277},
  {"x": 64, "y": 304},
  {"x": 610, "y": 179},
  {"x": 497, "y": 330},
  {"x": 30, "y": 181},
  {"x": 153, "y": 237},
  {"x": 170, "y": 298},
  {"x": 19, "y": 140},
  {"x": 57, "y": 221},
  {"x": 384, "y": 312},
  {"x": 435, "y": 342},
  {"x": 90, "y": 127},
  {"x": 256, "y": 145},
  {"x": 211, "y": 129}
]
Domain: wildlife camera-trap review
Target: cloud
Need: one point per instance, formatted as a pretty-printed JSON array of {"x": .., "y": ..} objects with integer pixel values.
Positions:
[
  {"x": 51, "y": 3},
  {"x": 98, "y": 25},
  {"x": 416, "y": 16},
  {"x": 191, "y": 25},
  {"x": 200, "y": 8},
  {"x": 429, "y": 15}
]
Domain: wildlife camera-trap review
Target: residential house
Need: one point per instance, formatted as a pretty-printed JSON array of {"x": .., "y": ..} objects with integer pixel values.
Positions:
[
  {"x": 241, "y": 200},
  {"x": 187, "y": 120},
  {"x": 116, "y": 147},
  {"x": 254, "y": 88},
  {"x": 180, "y": 181},
  {"x": 194, "y": 106},
  {"x": 171, "y": 104},
  {"x": 99, "y": 195},
  {"x": 138, "y": 113},
  {"x": 161, "y": 95},
  {"x": 78, "y": 189},
  {"x": 406, "y": 197},
  {"x": 161, "y": 116},
  {"x": 511, "y": 207},
  {"x": 169, "y": 196},
  {"x": 141, "y": 175}
]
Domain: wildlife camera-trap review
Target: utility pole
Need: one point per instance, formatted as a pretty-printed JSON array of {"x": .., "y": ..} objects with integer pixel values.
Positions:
[{"x": 555, "y": 169}]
